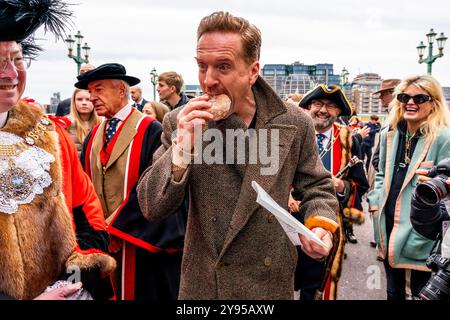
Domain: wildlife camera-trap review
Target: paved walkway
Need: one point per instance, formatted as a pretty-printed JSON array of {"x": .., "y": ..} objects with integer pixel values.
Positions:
[{"x": 363, "y": 276}]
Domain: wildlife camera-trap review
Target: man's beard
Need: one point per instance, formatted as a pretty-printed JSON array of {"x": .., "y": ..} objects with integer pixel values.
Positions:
[{"x": 323, "y": 124}]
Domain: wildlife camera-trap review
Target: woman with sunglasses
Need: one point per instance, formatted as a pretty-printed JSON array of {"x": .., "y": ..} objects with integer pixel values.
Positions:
[{"x": 417, "y": 136}]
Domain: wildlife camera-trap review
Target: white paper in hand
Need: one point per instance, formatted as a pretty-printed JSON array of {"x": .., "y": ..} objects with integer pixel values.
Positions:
[{"x": 291, "y": 226}]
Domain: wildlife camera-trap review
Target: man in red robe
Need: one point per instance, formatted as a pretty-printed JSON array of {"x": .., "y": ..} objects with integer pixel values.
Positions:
[
  {"x": 52, "y": 230},
  {"x": 115, "y": 154}
]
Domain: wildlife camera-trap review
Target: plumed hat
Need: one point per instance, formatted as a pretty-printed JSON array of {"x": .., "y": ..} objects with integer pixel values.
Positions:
[
  {"x": 330, "y": 92},
  {"x": 103, "y": 72},
  {"x": 19, "y": 19}
]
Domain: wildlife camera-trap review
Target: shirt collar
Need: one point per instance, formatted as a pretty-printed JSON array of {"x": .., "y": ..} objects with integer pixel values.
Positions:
[
  {"x": 3, "y": 119},
  {"x": 124, "y": 112},
  {"x": 326, "y": 133}
]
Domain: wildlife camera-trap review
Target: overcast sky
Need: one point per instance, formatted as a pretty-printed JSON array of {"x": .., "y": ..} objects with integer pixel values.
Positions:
[{"x": 364, "y": 36}]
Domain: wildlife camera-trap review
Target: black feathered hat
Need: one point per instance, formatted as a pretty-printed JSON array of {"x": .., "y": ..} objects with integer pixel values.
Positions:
[
  {"x": 103, "y": 72},
  {"x": 19, "y": 19},
  {"x": 330, "y": 92}
]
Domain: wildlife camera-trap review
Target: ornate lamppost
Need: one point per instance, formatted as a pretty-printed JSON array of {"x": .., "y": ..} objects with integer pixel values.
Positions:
[
  {"x": 78, "y": 58},
  {"x": 440, "y": 41},
  {"x": 344, "y": 77},
  {"x": 154, "y": 81}
]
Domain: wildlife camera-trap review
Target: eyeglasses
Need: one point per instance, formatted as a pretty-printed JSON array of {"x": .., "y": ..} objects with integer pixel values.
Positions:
[
  {"x": 317, "y": 104},
  {"x": 418, "y": 98},
  {"x": 19, "y": 62}
]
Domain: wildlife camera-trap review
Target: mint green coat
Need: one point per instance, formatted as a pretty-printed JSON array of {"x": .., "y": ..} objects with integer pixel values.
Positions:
[{"x": 407, "y": 248}]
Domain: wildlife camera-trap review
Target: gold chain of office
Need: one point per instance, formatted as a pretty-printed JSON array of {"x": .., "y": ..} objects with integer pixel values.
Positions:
[{"x": 31, "y": 137}]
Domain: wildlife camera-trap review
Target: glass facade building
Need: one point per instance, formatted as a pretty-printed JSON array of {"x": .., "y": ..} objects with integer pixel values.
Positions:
[{"x": 298, "y": 77}]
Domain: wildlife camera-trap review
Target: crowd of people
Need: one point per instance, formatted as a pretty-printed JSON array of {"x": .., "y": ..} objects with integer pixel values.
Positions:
[{"x": 106, "y": 199}]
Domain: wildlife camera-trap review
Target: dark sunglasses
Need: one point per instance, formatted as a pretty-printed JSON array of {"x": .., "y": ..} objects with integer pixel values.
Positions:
[{"x": 418, "y": 98}]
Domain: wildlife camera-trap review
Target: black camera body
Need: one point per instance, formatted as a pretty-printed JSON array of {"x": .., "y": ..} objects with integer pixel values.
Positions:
[
  {"x": 438, "y": 287},
  {"x": 434, "y": 191}
]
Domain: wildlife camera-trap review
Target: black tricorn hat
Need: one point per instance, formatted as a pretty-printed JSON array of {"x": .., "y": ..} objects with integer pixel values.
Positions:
[
  {"x": 19, "y": 19},
  {"x": 330, "y": 92},
  {"x": 103, "y": 72}
]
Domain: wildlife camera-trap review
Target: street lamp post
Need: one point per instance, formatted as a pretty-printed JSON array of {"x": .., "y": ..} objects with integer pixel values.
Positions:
[
  {"x": 154, "y": 80},
  {"x": 344, "y": 77},
  {"x": 78, "y": 58},
  {"x": 431, "y": 58}
]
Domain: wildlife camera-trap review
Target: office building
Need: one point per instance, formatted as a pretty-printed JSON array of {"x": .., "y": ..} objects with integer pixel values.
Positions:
[
  {"x": 362, "y": 88},
  {"x": 298, "y": 77}
]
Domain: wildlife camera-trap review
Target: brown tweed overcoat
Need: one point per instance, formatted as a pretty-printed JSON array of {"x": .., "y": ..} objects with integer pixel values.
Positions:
[{"x": 255, "y": 259}]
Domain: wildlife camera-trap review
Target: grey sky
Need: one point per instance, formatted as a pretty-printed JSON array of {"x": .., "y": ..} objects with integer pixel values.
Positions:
[{"x": 377, "y": 36}]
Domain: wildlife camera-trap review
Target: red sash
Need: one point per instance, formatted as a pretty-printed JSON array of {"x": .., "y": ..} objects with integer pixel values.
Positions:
[
  {"x": 129, "y": 243},
  {"x": 336, "y": 150}
]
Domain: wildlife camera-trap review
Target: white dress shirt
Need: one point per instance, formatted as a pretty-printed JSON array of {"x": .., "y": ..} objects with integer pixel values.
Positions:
[
  {"x": 122, "y": 115},
  {"x": 327, "y": 138}
]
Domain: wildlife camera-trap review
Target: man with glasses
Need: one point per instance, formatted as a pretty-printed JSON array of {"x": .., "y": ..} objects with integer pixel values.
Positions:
[
  {"x": 336, "y": 147},
  {"x": 52, "y": 226}
]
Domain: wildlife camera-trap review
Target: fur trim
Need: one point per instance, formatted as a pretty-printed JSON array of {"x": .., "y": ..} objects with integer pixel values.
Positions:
[
  {"x": 104, "y": 262},
  {"x": 36, "y": 241},
  {"x": 354, "y": 215},
  {"x": 345, "y": 137},
  {"x": 336, "y": 267}
]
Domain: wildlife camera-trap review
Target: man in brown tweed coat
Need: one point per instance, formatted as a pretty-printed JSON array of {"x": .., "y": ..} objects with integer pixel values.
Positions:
[{"x": 234, "y": 248}]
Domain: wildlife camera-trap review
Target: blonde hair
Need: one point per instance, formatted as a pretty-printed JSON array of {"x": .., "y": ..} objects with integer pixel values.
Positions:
[
  {"x": 439, "y": 116},
  {"x": 81, "y": 131},
  {"x": 160, "y": 109}
]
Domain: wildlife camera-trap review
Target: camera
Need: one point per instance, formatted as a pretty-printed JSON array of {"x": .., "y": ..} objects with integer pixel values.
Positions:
[
  {"x": 438, "y": 287},
  {"x": 434, "y": 191}
]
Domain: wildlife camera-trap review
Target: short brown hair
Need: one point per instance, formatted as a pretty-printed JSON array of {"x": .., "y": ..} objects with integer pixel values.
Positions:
[
  {"x": 226, "y": 22},
  {"x": 172, "y": 79},
  {"x": 374, "y": 117}
]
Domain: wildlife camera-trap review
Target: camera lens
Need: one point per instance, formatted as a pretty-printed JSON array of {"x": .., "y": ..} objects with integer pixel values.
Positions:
[
  {"x": 433, "y": 191},
  {"x": 437, "y": 287}
]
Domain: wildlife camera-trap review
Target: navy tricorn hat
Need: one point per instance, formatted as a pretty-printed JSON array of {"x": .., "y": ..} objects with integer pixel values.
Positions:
[
  {"x": 19, "y": 19},
  {"x": 103, "y": 72},
  {"x": 333, "y": 93}
]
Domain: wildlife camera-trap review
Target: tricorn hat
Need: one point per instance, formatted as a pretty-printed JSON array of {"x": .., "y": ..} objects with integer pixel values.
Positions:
[
  {"x": 103, "y": 72},
  {"x": 19, "y": 19},
  {"x": 331, "y": 92},
  {"x": 388, "y": 84}
]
